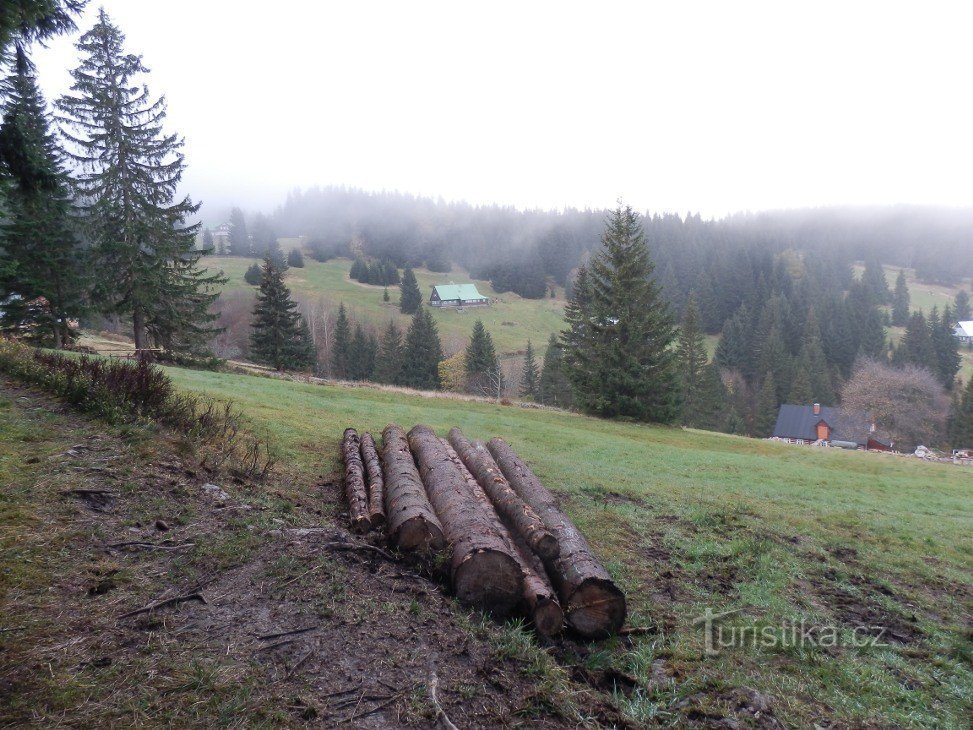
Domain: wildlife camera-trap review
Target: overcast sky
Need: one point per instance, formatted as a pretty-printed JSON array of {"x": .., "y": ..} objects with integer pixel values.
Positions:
[{"x": 704, "y": 106}]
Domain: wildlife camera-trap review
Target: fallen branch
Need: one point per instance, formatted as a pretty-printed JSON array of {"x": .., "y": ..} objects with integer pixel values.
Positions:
[
  {"x": 441, "y": 717},
  {"x": 297, "y": 665},
  {"x": 141, "y": 545},
  {"x": 168, "y": 602},
  {"x": 268, "y": 637},
  {"x": 352, "y": 546}
]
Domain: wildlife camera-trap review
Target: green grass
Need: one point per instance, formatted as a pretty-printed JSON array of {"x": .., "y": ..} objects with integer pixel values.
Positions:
[
  {"x": 511, "y": 321},
  {"x": 686, "y": 520}
]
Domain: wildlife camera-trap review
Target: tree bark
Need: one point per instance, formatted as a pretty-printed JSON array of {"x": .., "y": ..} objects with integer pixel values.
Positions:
[
  {"x": 355, "y": 482},
  {"x": 594, "y": 606},
  {"x": 484, "y": 572},
  {"x": 411, "y": 522},
  {"x": 540, "y": 601},
  {"x": 376, "y": 484},
  {"x": 521, "y": 518}
]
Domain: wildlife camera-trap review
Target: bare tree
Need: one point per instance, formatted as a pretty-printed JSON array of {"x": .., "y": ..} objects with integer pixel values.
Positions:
[{"x": 909, "y": 402}]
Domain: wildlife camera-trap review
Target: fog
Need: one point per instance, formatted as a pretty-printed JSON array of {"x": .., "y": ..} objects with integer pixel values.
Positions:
[{"x": 711, "y": 107}]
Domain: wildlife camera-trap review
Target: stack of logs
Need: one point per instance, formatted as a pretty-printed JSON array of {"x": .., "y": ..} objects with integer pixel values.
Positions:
[{"x": 511, "y": 545}]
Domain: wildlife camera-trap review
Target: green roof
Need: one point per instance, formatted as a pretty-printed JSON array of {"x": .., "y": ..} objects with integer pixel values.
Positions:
[{"x": 457, "y": 291}]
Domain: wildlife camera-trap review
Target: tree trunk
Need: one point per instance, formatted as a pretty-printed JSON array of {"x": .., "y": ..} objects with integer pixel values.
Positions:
[
  {"x": 521, "y": 518},
  {"x": 539, "y": 598},
  {"x": 411, "y": 522},
  {"x": 485, "y": 573},
  {"x": 355, "y": 482},
  {"x": 593, "y": 604},
  {"x": 376, "y": 485},
  {"x": 138, "y": 328}
]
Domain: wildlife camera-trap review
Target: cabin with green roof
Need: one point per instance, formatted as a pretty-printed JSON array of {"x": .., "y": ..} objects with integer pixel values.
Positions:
[{"x": 457, "y": 295}]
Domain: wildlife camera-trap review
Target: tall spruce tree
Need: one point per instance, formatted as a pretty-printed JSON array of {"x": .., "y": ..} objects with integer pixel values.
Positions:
[
  {"x": 916, "y": 346},
  {"x": 341, "y": 347},
  {"x": 960, "y": 429},
  {"x": 554, "y": 388},
  {"x": 362, "y": 355},
  {"x": 42, "y": 263},
  {"x": 872, "y": 340},
  {"x": 410, "y": 297},
  {"x": 875, "y": 283},
  {"x": 279, "y": 336},
  {"x": 388, "y": 367},
  {"x": 900, "y": 301},
  {"x": 128, "y": 174},
  {"x": 530, "y": 374},
  {"x": 691, "y": 359},
  {"x": 946, "y": 346},
  {"x": 423, "y": 352},
  {"x": 767, "y": 406},
  {"x": 961, "y": 308},
  {"x": 239, "y": 237},
  {"x": 812, "y": 362},
  {"x": 481, "y": 360},
  {"x": 734, "y": 350},
  {"x": 617, "y": 348}
]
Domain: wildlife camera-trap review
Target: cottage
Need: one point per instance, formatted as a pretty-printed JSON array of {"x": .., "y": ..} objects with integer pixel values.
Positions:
[
  {"x": 964, "y": 332},
  {"x": 832, "y": 426},
  {"x": 456, "y": 295}
]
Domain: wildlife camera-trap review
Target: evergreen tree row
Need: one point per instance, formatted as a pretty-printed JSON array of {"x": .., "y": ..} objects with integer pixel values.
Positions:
[{"x": 381, "y": 273}]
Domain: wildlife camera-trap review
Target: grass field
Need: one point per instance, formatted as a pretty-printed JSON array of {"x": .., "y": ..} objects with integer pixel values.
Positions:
[
  {"x": 511, "y": 321},
  {"x": 689, "y": 521}
]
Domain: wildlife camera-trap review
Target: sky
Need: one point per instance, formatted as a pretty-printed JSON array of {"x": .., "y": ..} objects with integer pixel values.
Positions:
[{"x": 710, "y": 107}]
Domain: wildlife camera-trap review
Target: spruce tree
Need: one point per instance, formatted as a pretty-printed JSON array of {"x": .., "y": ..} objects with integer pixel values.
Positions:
[
  {"x": 946, "y": 346},
  {"x": 617, "y": 348},
  {"x": 208, "y": 246},
  {"x": 295, "y": 258},
  {"x": 280, "y": 337},
  {"x": 801, "y": 392},
  {"x": 481, "y": 359},
  {"x": 767, "y": 406},
  {"x": 735, "y": 348},
  {"x": 42, "y": 262},
  {"x": 961, "y": 419},
  {"x": 916, "y": 345},
  {"x": 129, "y": 171},
  {"x": 900, "y": 301},
  {"x": 691, "y": 361},
  {"x": 410, "y": 298},
  {"x": 361, "y": 355},
  {"x": 252, "y": 275},
  {"x": 341, "y": 347},
  {"x": 239, "y": 236},
  {"x": 812, "y": 361},
  {"x": 554, "y": 388},
  {"x": 774, "y": 358},
  {"x": 961, "y": 309},
  {"x": 530, "y": 375},
  {"x": 25, "y": 21},
  {"x": 385, "y": 295},
  {"x": 388, "y": 367},
  {"x": 423, "y": 351},
  {"x": 872, "y": 340},
  {"x": 875, "y": 283}
]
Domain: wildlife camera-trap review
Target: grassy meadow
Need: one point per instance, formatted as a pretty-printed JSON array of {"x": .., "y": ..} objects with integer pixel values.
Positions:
[{"x": 688, "y": 521}]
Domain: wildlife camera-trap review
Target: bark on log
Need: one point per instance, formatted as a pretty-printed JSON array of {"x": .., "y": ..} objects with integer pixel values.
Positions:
[
  {"x": 411, "y": 522},
  {"x": 521, "y": 518},
  {"x": 355, "y": 482},
  {"x": 484, "y": 572},
  {"x": 594, "y": 606},
  {"x": 376, "y": 484},
  {"x": 540, "y": 600}
]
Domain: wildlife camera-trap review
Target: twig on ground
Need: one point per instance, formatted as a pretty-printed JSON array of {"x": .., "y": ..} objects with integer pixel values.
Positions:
[
  {"x": 142, "y": 545},
  {"x": 168, "y": 602},
  {"x": 354, "y": 546},
  {"x": 302, "y": 575},
  {"x": 441, "y": 717},
  {"x": 278, "y": 644},
  {"x": 267, "y": 637},
  {"x": 297, "y": 665}
]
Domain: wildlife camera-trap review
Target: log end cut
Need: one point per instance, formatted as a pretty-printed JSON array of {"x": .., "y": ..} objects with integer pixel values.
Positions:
[
  {"x": 418, "y": 534},
  {"x": 596, "y": 608},
  {"x": 546, "y": 546},
  {"x": 489, "y": 579},
  {"x": 548, "y": 617}
]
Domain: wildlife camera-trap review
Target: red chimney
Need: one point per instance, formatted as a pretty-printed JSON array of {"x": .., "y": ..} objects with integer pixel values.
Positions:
[{"x": 817, "y": 409}]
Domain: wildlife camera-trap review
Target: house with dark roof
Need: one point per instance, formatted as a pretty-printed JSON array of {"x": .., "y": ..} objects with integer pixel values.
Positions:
[
  {"x": 457, "y": 295},
  {"x": 817, "y": 424}
]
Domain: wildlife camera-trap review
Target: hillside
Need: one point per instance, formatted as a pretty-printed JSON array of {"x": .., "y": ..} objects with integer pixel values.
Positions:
[
  {"x": 690, "y": 520},
  {"x": 511, "y": 321}
]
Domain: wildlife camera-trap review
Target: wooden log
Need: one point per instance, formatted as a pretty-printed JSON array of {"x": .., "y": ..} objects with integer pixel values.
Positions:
[
  {"x": 540, "y": 600},
  {"x": 593, "y": 605},
  {"x": 410, "y": 520},
  {"x": 484, "y": 572},
  {"x": 376, "y": 484},
  {"x": 518, "y": 514},
  {"x": 355, "y": 482}
]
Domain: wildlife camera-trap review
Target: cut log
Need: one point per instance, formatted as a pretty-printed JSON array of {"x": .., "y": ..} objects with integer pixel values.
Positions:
[
  {"x": 376, "y": 484},
  {"x": 355, "y": 482},
  {"x": 540, "y": 600},
  {"x": 484, "y": 572},
  {"x": 518, "y": 514},
  {"x": 593, "y": 605},
  {"x": 410, "y": 520}
]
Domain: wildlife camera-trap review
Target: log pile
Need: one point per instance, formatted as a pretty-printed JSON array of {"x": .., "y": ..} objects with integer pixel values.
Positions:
[{"x": 511, "y": 547}]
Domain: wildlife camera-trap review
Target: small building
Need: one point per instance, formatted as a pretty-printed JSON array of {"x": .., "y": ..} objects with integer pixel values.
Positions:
[
  {"x": 964, "y": 332},
  {"x": 817, "y": 424},
  {"x": 457, "y": 295}
]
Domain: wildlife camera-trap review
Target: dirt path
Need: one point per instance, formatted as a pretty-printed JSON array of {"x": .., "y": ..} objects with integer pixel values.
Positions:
[{"x": 267, "y": 622}]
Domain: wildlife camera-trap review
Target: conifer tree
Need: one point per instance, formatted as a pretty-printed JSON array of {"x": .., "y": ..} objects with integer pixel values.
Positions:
[
  {"x": 252, "y": 275},
  {"x": 42, "y": 263},
  {"x": 916, "y": 345},
  {"x": 25, "y": 21},
  {"x": 946, "y": 346},
  {"x": 530, "y": 375},
  {"x": 767, "y": 407},
  {"x": 961, "y": 309},
  {"x": 734, "y": 350},
  {"x": 388, "y": 367},
  {"x": 129, "y": 171},
  {"x": 960, "y": 431},
  {"x": 691, "y": 361},
  {"x": 774, "y": 358},
  {"x": 295, "y": 258},
  {"x": 423, "y": 351},
  {"x": 900, "y": 301},
  {"x": 410, "y": 299},
  {"x": 713, "y": 408},
  {"x": 801, "y": 392},
  {"x": 239, "y": 236},
  {"x": 811, "y": 361},
  {"x": 341, "y": 348},
  {"x": 280, "y": 337},
  {"x": 208, "y": 245},
  {"x": 481, "y": 359},
  {"x": 554, "y": 388},
  {"x": 361, "y": 355},
  {"x": 617, "y": 348},
  {"x": 872, "y": 340},
  {"x": 875, "y": 283},
  {"x": 385, "y": 295}
]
